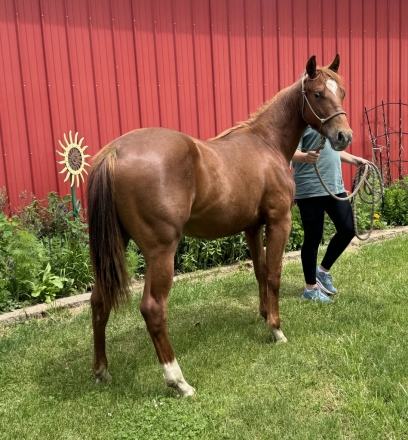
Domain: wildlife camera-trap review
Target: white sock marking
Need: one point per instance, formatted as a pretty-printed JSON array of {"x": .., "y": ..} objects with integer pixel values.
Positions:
[
  {"x": 280, "y": 338},
  {"x": 172, "y": 372},
  {"x": 174, "y": 378}
]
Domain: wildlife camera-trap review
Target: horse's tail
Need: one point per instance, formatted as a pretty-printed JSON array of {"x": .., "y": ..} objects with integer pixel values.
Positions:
[{"x": 105, "y": 237}]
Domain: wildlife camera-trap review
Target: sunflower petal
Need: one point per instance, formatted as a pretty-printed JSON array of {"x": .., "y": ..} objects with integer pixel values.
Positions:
[{"x": 66, "y": 140}]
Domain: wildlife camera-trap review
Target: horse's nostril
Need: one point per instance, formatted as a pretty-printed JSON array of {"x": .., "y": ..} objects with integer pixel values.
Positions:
[{"x": 341, "y": 137}]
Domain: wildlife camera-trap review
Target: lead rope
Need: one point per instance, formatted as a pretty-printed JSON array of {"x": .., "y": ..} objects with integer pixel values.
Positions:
[{"x": 361, "y": 187}]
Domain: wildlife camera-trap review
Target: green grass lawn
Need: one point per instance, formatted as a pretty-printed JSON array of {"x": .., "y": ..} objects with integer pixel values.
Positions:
[{"x": 342, "y": 375}]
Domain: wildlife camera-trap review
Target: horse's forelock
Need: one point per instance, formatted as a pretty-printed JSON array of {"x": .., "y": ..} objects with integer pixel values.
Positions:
[{"x": 323, "y": 73}]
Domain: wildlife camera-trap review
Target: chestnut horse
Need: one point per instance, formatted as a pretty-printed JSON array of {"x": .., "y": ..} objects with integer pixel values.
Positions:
[{"x": 153, "y": 185}]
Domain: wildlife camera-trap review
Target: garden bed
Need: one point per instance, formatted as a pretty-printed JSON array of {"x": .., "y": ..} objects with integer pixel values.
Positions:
[
  {"x": 40, "y": 310},
  {"x": 44, "y": 247}
]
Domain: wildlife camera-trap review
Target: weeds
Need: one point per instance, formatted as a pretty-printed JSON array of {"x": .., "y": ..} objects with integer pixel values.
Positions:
[{"x": 44, "y": 252}]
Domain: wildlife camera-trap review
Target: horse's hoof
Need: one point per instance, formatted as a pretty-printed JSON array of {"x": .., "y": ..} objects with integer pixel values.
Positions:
[
  {"x": 103, "y": 377},
  {"x": 185, "y": 390},
  {"x": 278, "y": 336}
]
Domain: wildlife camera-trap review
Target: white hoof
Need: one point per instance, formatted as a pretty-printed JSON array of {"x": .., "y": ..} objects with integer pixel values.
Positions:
[
  {"x": 174, "y": 378},
  {"x": 102, "y": 376},
  {"x": 278, "y": 336},
  {"x": 185, "y": 390}
]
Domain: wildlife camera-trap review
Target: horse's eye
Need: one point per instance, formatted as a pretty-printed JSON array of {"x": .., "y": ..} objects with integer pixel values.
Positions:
[{"x": 317, "y": 95}]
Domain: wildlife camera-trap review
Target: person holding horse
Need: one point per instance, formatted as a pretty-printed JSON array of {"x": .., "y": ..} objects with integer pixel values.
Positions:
[{"x": 313, "y": 201}]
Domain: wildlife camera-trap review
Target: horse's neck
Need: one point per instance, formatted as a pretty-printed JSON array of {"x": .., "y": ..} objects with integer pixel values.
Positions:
[{"x": 282, "y": 121}]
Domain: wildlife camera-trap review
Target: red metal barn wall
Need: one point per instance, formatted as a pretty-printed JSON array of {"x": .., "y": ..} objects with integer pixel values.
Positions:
[{"x": 104, "y": 67}]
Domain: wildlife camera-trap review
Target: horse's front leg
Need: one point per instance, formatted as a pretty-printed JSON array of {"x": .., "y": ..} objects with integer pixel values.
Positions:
[
  {"x": 254, "y": 238},
  {"x": 100, "y": 316},
  {"x": 277, "y": 234}
]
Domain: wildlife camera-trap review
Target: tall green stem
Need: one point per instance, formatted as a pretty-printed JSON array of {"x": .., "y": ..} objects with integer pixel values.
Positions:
[{"x": 74, "y": 201}]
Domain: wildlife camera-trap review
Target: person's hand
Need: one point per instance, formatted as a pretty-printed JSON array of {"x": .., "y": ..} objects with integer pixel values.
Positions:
[
  {"x": 360, "y": 161},
  {"x": 312, "y": 156}
]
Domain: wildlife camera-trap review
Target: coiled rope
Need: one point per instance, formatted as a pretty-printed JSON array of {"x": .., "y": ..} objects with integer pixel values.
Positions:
[{"x": 361, "y": 187}]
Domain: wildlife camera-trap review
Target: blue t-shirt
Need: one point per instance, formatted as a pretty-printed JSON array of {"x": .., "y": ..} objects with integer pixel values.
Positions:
[{"x": 329, "y": 165}]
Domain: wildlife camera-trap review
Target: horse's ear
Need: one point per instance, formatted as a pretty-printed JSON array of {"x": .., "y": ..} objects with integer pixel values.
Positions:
[
  {"x": 335, "y": 64},
  {"x": 311, "y": 67}
]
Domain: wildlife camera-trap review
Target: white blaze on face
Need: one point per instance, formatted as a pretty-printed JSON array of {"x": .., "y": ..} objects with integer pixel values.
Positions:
[{"x": 332, "y": 86}]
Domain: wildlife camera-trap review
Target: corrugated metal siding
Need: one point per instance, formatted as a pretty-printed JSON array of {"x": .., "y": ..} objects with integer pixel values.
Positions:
[{"x": 105, "y": 67}]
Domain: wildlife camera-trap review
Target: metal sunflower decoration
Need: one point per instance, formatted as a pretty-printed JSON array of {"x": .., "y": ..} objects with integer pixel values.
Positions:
[{"x": 74, "y": 161}]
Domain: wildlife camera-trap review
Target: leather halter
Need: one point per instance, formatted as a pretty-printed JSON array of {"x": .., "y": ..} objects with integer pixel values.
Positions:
[{"x": 322, "y": 121}]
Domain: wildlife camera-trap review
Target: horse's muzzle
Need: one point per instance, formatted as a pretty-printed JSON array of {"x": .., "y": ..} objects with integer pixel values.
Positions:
[{"x": 342, "y": 140}]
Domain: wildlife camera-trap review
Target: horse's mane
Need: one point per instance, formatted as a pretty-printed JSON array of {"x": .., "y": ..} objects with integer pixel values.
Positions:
[{"x": 323, "y": 73}]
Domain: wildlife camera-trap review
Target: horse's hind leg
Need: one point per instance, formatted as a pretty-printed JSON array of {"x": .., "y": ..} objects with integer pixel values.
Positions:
[
  {"x": 100, "y": 316},
  {"x": 159, "y": 278}
]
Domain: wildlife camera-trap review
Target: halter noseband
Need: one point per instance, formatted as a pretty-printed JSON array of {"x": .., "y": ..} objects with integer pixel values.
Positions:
[{"x": 322, "y": 121}]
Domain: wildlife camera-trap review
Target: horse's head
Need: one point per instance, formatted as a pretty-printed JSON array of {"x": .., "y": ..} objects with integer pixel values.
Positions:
[{"x": 323, "y": 95}]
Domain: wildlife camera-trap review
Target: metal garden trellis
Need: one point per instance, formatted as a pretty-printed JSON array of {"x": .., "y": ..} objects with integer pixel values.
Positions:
[{"x": 382, "y": 153}]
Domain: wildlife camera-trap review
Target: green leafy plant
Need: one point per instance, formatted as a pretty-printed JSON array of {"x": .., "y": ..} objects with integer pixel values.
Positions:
[
  {"x": 47, "y": 285},
  {"x": 296, "y": 235},
  {"x": 26, "y": 258},
  {"x": 135, "y": 262},
  {"x": 72, "y": 257},
  {"x": 162, "y": 418},
  {"x": 5, "y": 294},
  {"x": 44, "y": 251},
  {"x": 193, "y": 254},
  {"x": 395, "y": 203}
]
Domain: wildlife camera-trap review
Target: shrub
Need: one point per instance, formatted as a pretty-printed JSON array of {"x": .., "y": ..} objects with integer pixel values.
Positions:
[
  {"x": 136, "y": 264},
  {"x": 193, "y": 254},
  {"x": 295, "y": 240},
  {"x": 44, "y": 252},
  {"x": 395, "y": 203}
]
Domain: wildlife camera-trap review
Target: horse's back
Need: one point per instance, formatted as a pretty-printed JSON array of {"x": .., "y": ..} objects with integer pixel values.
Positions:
[{"x": 209, "y": 189}]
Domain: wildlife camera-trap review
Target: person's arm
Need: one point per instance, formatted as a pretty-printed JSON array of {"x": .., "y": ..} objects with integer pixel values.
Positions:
[
  {"x": 309, "y": 157},
  {"x": 351, "y": 159}
]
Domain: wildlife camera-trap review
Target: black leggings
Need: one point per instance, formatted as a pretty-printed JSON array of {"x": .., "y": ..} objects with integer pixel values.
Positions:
[{"x": 312, "y": 212}]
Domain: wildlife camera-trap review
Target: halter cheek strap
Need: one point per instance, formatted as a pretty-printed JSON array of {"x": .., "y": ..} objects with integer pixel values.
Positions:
[{"x": 322, "y": 121}]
